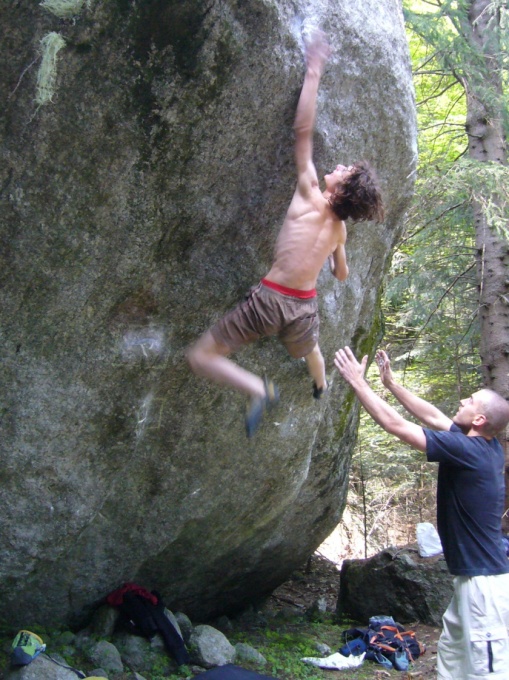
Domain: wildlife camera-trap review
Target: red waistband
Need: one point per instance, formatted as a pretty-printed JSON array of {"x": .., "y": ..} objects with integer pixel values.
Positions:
[{"x": 294, "y": 292}]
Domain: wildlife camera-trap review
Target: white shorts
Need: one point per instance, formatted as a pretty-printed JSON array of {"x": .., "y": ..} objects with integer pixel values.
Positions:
[{"x": 475, "y": 637}]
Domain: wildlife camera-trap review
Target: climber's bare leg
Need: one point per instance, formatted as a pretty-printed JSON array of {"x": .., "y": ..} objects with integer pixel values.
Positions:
[{"x": 208, "y": 358}]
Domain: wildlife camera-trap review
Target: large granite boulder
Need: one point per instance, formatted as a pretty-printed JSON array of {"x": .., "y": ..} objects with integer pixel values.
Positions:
[
  {"x": 396, "y": 582},
  {"x": 147, "y": 163}
]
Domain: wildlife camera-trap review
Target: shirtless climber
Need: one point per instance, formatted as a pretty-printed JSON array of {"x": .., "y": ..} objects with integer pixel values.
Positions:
[{"x": 284, "y": 303}]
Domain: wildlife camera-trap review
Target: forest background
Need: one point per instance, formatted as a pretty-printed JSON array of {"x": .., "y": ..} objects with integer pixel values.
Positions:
[{"x": 446, "y": 299}]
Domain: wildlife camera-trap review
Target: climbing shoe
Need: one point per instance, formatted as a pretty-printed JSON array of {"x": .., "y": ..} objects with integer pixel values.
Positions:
[
  {"x": 257, "y": 406},
  {"x": 319, "y": 392}
]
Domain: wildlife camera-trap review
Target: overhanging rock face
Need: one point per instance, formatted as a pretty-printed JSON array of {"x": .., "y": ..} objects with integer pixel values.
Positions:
[{"x": 141, "y": 202}]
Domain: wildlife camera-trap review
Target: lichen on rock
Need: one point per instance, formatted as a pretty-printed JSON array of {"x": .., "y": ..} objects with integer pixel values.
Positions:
[
  {"x": 51, "y": 45},
  {"x": 65, "y": 9}
]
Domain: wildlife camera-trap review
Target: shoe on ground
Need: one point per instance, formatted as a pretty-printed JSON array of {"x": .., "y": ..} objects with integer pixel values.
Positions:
[{"x": 258, "y": 405}]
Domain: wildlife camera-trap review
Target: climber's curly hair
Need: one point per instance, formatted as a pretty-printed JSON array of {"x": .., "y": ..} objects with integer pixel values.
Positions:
[{"x": 359, "y": 196}]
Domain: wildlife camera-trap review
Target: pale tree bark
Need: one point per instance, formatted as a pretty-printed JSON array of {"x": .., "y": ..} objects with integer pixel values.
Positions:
[{"x": 487, "y": 143}]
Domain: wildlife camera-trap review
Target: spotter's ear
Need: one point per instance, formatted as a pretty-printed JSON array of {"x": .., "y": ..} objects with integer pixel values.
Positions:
[{"x": 479, "y": 420}]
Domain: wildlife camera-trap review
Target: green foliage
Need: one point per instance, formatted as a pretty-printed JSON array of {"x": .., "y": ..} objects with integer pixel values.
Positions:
[
  {"x": 284, "y": 641},
  {"x": 481, "y": 182},
  {"x": 430, "y": 302},
  {"x": 444, "y": 26},
  {"x": 431, "y": 297},
  {"x": 5, "y": 651},
  {"x": 183, "y": 672},
  {"x": 391, "y": 485},
  {"x": 284, "y": 650}
]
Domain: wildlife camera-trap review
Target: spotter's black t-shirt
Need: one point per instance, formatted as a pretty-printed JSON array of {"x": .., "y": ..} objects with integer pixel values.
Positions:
[{"x": 470, "y": 501}]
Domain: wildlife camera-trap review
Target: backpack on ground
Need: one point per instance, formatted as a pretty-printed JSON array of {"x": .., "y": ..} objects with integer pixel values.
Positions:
[
  {"x": 25, "y": 647},
  {"x": 143, "y": 613},
  {"x": 389, "y": 645}
]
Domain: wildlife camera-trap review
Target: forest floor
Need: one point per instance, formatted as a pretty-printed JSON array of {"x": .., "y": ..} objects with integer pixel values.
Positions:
[
  {"x": 288, "y": 626},
  {"x": 320, "y": 580}
]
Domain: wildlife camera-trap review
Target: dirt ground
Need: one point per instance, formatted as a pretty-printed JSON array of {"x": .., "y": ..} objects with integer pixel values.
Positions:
[{"x": 320, "y": 579}]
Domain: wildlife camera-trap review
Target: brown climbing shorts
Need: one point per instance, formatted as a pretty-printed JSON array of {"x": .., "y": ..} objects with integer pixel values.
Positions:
[{"x": 267, "y": 312}]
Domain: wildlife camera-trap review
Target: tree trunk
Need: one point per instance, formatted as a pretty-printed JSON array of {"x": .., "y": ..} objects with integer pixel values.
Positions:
[{"x": 487, "y": 143}]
